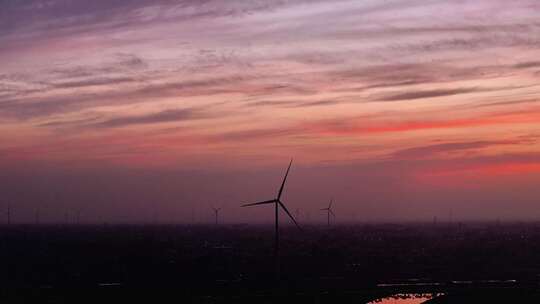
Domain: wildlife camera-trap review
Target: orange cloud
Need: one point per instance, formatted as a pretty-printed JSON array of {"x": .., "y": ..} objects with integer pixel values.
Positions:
[
  {"x": 352, "y": 127},
  {"x": 473, "y": 175}
]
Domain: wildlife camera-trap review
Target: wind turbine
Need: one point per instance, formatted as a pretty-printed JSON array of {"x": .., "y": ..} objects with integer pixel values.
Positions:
[
  {"x": 216, "y": 213},
  {"x": 329, "y": 211},
  {"x": 277, "y": 204}
]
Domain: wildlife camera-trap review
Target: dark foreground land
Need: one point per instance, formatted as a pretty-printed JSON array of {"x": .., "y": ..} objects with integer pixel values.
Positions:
[{"x": 470, "y": 263}]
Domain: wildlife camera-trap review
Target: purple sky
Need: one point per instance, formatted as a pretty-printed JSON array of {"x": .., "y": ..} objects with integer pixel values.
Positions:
[{"x": 400, "y": 110}]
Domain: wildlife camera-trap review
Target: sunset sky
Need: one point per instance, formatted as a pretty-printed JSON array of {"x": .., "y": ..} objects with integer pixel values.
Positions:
[{"x": 400, "y": 110}]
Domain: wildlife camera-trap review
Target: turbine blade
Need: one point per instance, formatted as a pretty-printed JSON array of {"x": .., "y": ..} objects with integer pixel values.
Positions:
[
  {"x": 324, "y": 209},
  {"x": 260, "y": 203},
  {"x": 331, "y": 212},
  {"x": 289, "y": 214},
  {"x": 284, "y": 179},
  {"x": 330, "y": 205}
]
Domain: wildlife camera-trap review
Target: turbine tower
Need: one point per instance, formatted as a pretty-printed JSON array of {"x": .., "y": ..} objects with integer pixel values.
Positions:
[
  {"x": 277, "y": 204},
  {"x": 329, "y": 211},
  {"x": 216, "y": 213}
]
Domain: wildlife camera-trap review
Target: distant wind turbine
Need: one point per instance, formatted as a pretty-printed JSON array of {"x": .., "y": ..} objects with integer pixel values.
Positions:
[
  {"x": 216, "y": 213},
  {"x": 329, "y": 211},
  {"x": 277, "y": 203}
]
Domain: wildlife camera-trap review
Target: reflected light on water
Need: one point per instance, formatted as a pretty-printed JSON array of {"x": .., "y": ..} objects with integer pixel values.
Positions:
[{"x": 405, "y": 298}]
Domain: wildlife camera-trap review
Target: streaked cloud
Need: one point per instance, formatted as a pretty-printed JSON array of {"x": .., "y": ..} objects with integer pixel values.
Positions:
[
  {"x": 160, "y": 117},
  {"x": 398, "y": 93},
  {"x": 434, "y": 150},
  {"x": 426, "y": 94},
  {"x": 527, "y": 65}
]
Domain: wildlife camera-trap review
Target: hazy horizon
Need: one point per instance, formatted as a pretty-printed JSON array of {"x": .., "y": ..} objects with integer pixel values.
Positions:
[{"x": 399, "y": 110}]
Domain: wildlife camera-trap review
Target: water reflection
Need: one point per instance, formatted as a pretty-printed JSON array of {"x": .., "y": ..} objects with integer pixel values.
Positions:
[{"x": 406, "y": 298}]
